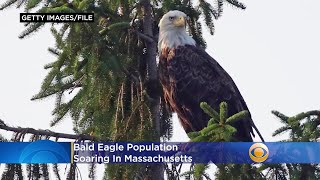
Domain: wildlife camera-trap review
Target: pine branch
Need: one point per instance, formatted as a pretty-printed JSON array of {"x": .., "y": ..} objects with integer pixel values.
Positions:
[
  {"x": 199, "y": 170},
  {"x": 236, "y": 4},
  {"x": 238, "y": 116},
  {"x": 220, "y": 8},
  {"x": 47, "y": 133},
  {"x": 223, "y": 112},
  {"x": 72, "y": 172},
  {"x": 281, "y": 116},
  {"x": 92, "y": 171},
  {"x": 56, "y": 171},
  {"x": 20, "y": 3},
  {"x": 32, "y": 4},
  {"x": 307, "y": 114},
  {"x": 30, "y": 29},
  {"x": 54, "y": 52},
  {"x": 44, "y": 171},
  {"x": 210, "y": 111},
  {"x": 19, "y": 171},
  {"x": 7, "y": 4},
  {"x": 281, "y": 130}
]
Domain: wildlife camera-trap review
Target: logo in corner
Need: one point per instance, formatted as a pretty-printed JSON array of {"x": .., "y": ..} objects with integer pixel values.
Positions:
[{"x": 258, "y": 152}]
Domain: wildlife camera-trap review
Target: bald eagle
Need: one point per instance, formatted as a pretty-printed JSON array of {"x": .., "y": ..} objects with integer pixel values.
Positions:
[{"x": 190, "y": 76}]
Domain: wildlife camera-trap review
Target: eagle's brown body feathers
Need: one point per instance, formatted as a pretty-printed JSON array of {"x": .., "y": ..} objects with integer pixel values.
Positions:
[{"x": 190, "y": 76}]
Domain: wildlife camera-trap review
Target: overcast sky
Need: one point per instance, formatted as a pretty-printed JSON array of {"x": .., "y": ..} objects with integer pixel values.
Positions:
[{"x": 271, "y": 50}]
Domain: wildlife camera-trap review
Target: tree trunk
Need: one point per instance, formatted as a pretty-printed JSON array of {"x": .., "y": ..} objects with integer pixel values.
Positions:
[{"x": 157, "y": 170}]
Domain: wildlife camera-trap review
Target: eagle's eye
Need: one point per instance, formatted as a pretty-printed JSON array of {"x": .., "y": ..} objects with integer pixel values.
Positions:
[{"x": 171, "y": 18}]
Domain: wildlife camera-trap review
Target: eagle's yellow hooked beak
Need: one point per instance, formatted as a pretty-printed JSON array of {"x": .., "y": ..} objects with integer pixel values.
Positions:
[{"x": 180, "y": 21}]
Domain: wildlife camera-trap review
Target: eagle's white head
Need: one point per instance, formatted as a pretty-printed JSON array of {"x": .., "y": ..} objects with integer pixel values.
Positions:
[{"x": 173, "y": 31}]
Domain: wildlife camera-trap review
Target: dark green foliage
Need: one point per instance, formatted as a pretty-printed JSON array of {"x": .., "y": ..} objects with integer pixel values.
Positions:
[
  {"x": 210, "y": 14},
  {"x": 303, "y": 127},
  {"x": 104, "y": 55},
  {"x": 32, "y": 4},
  {"x": 199, "y": 170},
  {"x": 219, "y": 127},
  {"x": 238, "y": 171},
  {"x": 211, "y": 112},
  {"x": 218, "y": 130},
  {"x": 278, "y": 171}
]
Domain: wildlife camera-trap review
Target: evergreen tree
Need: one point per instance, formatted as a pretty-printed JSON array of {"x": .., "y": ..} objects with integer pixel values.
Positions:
[
  {"x": 303, "y": 127},
  {"x": 220, "y": 129}
]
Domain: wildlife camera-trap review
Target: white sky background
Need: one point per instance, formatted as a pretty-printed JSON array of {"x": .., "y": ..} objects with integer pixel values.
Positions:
[{"x": 271, "y": 50}]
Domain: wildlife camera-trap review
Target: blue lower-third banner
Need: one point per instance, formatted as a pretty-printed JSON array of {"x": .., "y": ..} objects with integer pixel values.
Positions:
[{"x": 45, "y": 151}]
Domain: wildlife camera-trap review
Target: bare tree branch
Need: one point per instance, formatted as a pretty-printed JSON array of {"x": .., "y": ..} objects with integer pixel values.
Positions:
[
  {"x": 47, "y": 133},
  {"x": 143, "y": 36}
]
